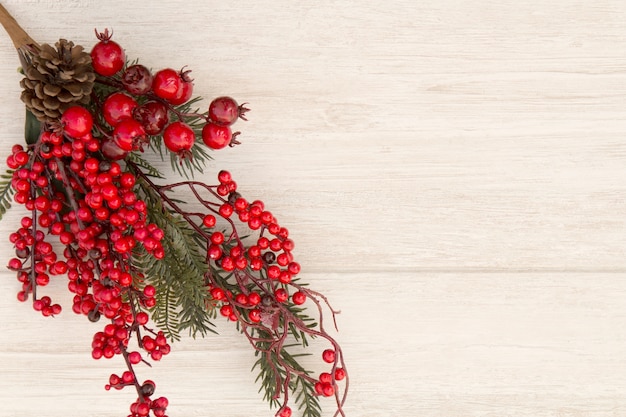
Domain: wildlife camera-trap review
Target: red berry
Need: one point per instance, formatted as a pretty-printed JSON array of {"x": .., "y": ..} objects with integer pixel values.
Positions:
[
  {"x": 166, "y": 84},
  {"x": 137, "y": 79},
  {"x": 153, "y": 116},
  {"x": 117, "y": 107},
  {"x": 128, "y": 134},
  {"x": 298, "y": 297},
  {"x": 328, "y": 356},
  {"x": 254, "y": 315},
  {"x": 76, "y": 121},
  {"x": 107, "y": 57},
  {"x": 179, "y": 138},
  {"x": 224, "y": 111},
  {"x": 112, "y": 151},
  {"x": 285, "y": 412},
  {"x": 209, "y": 220},
  {"x": 216, "y": 136},
  {"x": 281, "y": 295},
  {"x": 340, "y": 374},
  {"x": 184, "y": 93}
]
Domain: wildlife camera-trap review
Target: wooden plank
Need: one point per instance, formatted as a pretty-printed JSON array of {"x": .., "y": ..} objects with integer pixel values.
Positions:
[{"x": 508, "y": 344}]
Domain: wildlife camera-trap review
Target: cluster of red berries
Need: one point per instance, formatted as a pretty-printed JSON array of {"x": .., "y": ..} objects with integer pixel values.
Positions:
[
  {"x": 272, "y": 255},
  {"x": 326, "y": 385},
  {"x": 132, "y": 122},
  {"x": 79, "y": 185}
]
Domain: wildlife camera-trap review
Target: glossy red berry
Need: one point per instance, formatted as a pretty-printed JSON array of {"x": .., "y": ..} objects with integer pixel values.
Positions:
[
  {"x": 184, "y": 93},
  {"x": 76, "y": 121},
  {"x": 224, "y": 111},
  {"x": 254, "y": 315},
  {"x": 298, "y": 297},
  {"x": 153, "y": 116},
  {"x": 179, "y": 138},
  {"x": 328, "y": 356},
  {"x": 209, "y": 220},
  {"x": 107, "y": 57},
  {"x": 216, "y": 136},
  {"x": 128, "y": 134},
  {"x": 340, "y": 374},
  {"x": 117, "y": 107},
  {"x": 166, "y": 84},
  {"x": 137, "y": 79},
  {"x": 285, "y": 412}
]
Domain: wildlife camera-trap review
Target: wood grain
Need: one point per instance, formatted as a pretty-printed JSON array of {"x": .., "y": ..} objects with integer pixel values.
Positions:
[{"x": 451, "y": 172}]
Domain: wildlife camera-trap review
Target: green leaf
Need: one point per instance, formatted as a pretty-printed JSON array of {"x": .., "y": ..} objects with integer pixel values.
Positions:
[{"x": 32, "y": 130}]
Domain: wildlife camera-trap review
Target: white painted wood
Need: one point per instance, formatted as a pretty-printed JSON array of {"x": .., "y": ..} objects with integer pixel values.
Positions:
[{"x": 452, "y": 173}]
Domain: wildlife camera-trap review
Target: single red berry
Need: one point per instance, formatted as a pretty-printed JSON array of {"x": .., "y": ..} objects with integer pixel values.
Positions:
[
  {"x": 184, "y": 93},
  {"x": 134, "y": 357},
  {"x": 117, "y": 107},
  {"x": 129, "y": 134},
  {"x": 328, "y": 356},
  {"x": 209, "y": 220},
  {"x": 153, "y": 116},
  {"x": 216, "y": 136},
  {"x": 326, "y": 378},
  {"x": 217, "y": 293},
  {"x": 137, "y": 79},
  {"x": 179, "y": 138},
  {"x": 224, "y": 111},
  {"x": 285, "y": 412},
  {"x": 76, "y": 121},
  {"x": 327, "y": 390},
  {"x": 281, "y": 295},
  {"x": 111, "y": 151},
  {"x": 166, "y": 84},
  {"x": 255, "y": 315},
  {"x": 149, "y": 291},
  {"x": 298, "y": 297},
  {"x": 226, "y": 310},
  {"x": 107, "y": 57},
  {"x": 340, "y": 374}
]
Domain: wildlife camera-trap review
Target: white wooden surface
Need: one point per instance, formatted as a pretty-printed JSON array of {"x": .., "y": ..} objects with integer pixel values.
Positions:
[{"x": 451, "y": 171}]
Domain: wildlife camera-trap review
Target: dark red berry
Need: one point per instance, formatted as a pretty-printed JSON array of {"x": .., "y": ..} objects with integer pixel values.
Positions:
[
  {"x": 76, "y": 121},
  {"x": 117, "y": 107},
  {"x": 166, "y": 84},
  {"x": 179, "y": 138},
  {"x": 107, "y": 57},
  {"x": 224, "y": 111},
  {"x": 137, "y": 79},
  {"x": 216, "y": 136},
  {"x": 153, "y": 116},
  {"x": 111, "y": 151}
]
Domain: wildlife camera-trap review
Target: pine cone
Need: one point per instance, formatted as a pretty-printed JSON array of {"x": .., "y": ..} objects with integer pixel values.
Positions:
[{"x": 56, "y": 79}]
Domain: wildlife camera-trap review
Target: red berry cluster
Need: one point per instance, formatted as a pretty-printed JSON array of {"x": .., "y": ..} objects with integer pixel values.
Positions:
[
  {"x": 132, "y": 122},
  {"x": 82, "y": 184},
  {"x": 259, "y": 289}
]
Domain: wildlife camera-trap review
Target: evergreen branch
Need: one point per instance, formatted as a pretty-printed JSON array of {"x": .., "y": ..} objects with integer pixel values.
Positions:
[
  {"x": 179, "y": 276},
  {"x": 271, "y": 373},
  {"x": 6, "y": 192},
  {"x": 148, "y": 168}
]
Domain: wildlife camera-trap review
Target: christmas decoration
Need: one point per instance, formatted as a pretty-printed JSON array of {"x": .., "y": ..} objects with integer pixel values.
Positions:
[{"x": 139, "y": 261}]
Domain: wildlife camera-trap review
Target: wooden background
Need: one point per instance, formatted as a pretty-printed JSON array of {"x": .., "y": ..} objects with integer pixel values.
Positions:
[{"x": 451, "y": 172}]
